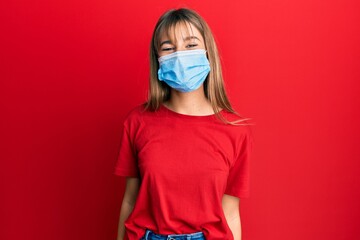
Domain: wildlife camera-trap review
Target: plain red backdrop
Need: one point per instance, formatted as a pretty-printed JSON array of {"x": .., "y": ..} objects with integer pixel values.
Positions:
[{"x": 71, "y": 70}]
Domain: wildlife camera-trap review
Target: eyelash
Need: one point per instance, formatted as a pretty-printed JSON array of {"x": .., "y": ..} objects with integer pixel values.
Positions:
[
  {"x": 192, "y": 45},
  {"x": 167, "y": 49},
  {"x": 189, "y": 45}
]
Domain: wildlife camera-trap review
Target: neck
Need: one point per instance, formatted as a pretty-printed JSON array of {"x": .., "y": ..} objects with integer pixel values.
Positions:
[{"x": 191, "y": 103}]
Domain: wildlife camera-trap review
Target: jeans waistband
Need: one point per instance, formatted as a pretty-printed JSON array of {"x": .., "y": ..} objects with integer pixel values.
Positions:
[{"x": 150, "y": 235}]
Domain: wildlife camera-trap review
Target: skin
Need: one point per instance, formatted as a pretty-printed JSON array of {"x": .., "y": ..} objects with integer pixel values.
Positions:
[
  {"x": 131, "y": 192},
  {"x": 186, "y": 37},
  {"x": 190, "y": 103}
]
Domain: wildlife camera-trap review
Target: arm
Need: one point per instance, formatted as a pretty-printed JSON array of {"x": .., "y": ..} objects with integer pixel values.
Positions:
[
  {"x": 230, "y": 206},
  {"x": 131, "y": 192}
]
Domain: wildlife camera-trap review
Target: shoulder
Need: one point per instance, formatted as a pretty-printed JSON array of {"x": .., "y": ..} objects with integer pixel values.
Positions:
[
  {"x": 135, "y": 112},
  {"x": 241, "y": 127},
  {"x": 139, "y": 114},
  {"x": 236, "y": 119},
  {"x": 134, "y": 115}
]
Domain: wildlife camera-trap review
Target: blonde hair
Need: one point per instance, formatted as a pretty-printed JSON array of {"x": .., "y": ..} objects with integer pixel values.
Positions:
[{"x": 159, "y": 91}]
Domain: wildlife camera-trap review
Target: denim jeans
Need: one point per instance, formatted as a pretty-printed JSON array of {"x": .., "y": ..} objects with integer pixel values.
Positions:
[{"x": 150, "y": 235}]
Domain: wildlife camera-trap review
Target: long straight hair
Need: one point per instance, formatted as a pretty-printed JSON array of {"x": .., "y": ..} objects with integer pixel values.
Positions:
[{"x": 159, "y": 91}]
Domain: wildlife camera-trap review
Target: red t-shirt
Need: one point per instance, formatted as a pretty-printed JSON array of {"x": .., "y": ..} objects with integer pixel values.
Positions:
[{"x": 185, "y": 163}]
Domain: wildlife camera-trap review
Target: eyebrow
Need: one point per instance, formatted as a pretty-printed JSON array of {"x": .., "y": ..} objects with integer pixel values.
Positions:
[{"x": 186, "y": 39}]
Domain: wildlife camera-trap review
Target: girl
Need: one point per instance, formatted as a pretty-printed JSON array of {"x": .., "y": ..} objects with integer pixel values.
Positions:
[{"x": 185, "y": 152}]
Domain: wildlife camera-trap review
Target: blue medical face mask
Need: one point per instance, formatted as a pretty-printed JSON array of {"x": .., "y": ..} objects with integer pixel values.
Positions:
[{"x": 184, "y": 71}]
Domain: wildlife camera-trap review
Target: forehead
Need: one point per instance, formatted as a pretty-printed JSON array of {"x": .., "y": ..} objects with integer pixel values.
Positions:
[{"x": 180, "y": 30}]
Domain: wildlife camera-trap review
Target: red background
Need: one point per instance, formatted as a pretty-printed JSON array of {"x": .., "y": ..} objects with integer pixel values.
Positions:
[{"x": 71, "y": 70}]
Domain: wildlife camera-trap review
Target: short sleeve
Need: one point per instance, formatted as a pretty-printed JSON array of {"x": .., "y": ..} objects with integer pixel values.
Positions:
[
  {"x": 127, "y": 161},
  {"x": 238, "y": 183}
]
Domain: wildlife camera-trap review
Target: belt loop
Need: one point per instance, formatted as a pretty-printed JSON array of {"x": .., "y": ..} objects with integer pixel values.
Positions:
[{"x": 147, "y": 234}]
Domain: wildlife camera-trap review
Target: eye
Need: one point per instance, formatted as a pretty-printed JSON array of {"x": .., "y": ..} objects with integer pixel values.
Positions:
[
  {"x": 167, "y": 49},
  {"x": 191, "y": 45}
]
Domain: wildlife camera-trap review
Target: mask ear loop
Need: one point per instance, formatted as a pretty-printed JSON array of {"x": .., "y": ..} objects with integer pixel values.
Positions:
[{"x": 206, "y": 54}]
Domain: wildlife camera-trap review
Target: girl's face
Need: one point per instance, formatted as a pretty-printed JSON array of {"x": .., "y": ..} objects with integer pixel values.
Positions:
[{"x": 186, "y": 37}]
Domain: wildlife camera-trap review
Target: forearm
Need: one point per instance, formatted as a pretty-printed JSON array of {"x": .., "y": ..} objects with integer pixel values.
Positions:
[
  {"x": 234, "y": 223},
  {"x": 125, "y": 211},
  {"x": 128, "y": 203},
  {"x": 231, "y": 208}
]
